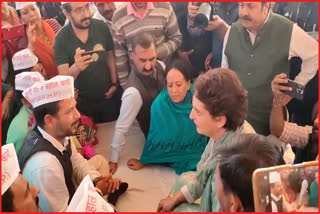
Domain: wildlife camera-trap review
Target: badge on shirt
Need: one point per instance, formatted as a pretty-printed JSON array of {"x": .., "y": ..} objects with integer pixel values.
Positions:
[{"x": 95, "y": 56}]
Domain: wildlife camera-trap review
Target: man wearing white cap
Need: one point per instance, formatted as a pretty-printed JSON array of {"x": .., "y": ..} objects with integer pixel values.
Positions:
[
  {"x": 16, "y": 193},
  {"x": 47, "y": 159},
  {"x": 94, "y": 73},
  {"x": 276, "y": 199},
  {"x": 22, "y": 122}
]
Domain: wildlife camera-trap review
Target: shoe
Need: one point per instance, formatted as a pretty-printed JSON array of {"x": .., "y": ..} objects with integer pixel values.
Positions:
[{"x": 113, "y": 197}]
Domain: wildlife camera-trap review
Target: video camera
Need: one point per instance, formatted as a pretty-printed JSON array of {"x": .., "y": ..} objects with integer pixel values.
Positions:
[{"x": 204, "y": 15}]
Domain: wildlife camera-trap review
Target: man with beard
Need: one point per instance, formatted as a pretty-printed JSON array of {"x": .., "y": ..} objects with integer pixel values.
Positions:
[
  {"x": 47, "y": 158},
  {"x": 94, "y": 73},
  {"x": 16, "y": 193},
  {"x": 146, "y": 80},
  {"x": 133, "y": 18},
  {"x": 105, "y": 12},
  {"x": 258, "y": 47}
]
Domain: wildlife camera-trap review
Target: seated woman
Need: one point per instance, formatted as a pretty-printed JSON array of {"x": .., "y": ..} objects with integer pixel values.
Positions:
[
  {"x": 219, "y": 109},
  {"x": 173, "y": 139},
  {"x": 41, "y": 35}
]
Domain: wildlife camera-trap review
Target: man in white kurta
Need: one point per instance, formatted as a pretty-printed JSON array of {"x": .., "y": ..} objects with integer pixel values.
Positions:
[{"x": 47, "y": 158}]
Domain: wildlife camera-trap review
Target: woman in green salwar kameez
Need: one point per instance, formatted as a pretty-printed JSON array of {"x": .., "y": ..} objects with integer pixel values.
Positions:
[
  {"x": 219, "y": 109},
  {"x": 173, "y": 140}
]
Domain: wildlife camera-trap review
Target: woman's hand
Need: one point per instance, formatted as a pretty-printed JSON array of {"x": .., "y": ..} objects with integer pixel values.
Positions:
[
  {"x": 277, "y": 88},
  {"x": 166, "y": 205},
  {"x": 31, "y": 35}
]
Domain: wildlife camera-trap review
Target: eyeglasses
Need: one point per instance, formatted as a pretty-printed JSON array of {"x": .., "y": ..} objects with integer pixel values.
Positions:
[{"x": 81, "y": 10}]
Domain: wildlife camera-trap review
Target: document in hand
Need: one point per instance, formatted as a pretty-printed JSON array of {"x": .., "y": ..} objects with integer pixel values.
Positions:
[{"x": 87, "y": 199}]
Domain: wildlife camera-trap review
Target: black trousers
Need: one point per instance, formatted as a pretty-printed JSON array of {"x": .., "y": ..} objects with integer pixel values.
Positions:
[{"x": 101, "y": 110}]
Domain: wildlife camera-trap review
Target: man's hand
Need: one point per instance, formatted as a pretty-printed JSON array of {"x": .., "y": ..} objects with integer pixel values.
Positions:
[
  {"x": 215, "y": 23},
  {"x": 114, "y": 184},
  {"x": 107, "y": 184},
  {"x": 76, "y": 93},
  {"x": 5, "y": 110},
  {"x": 6, "y": 104},
  {"x": 113, "y": 167},
  {"x": 208, "y": 61},
  {"x": 192, "y": 10},
  {"x": 166, "y": 205},
  {"x": 111, "y": 92},
  {"x": 277, "y": 88},
  {"x": 82, "y": 62},
  {"x": 184, "y": 55}
]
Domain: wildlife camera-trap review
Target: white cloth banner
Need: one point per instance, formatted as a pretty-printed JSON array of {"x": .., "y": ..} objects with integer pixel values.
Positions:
[{"x": 87, "y": 199}]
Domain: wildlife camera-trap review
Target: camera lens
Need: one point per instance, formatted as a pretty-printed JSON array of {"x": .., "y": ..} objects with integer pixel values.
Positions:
[
  {"x": 202, "y": 18},
  {"x": 299, "y": 90}
]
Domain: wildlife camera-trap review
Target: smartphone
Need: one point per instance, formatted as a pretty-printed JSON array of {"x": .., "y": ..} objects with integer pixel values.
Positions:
[
  {"x": 286, "y": 188},
  {"x": 92, "y": 52},
  {"x": 297, "y": 89},
  {"x": 13, "y": 32}
]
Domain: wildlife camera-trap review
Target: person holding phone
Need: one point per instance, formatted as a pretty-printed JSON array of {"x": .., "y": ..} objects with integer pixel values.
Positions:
[
  {"x": 223, "y": 15},
  {"x": 287, "y": 132},
  {"x": 258, "y": 47},
  {"x": 84, "y": 50},
  {"x": 40, "y": 35},
  {"x": 9, "y": 40}
]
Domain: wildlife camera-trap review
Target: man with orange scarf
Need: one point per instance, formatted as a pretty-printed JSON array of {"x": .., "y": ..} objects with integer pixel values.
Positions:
[{"x": 40, "y": 34}]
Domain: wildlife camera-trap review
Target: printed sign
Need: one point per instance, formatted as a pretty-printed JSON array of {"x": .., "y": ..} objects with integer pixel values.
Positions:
[
  {"x": 9, "y": 167},
  {"x": 87, "y": 199},
  {"x": 58, "y": 88}
]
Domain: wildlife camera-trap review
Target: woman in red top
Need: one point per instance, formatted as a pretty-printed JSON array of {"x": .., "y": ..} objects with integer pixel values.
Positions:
[{"x": 41, "y": 34}]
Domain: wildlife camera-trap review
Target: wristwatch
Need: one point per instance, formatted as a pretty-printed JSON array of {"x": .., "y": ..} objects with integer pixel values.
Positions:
[{"x": 114, "y": 84}]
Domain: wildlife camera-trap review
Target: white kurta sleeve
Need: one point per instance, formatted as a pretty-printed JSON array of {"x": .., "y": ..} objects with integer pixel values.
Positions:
[
  {"x": 130, "y": 107},
  {"x": 81, "y": 167},
  {"x": 224, "y": 61},
  {"x": 304, "y": 46},
  {"x": 44, "y": 171}
]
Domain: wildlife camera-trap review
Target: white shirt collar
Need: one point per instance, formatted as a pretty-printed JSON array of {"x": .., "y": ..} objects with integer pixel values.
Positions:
[
  {"x": 53, "y": 141},
  {"x": 252, "y": 35},
  {"x": 97, "y": 15},
  {"x": 276, "y": 198}
]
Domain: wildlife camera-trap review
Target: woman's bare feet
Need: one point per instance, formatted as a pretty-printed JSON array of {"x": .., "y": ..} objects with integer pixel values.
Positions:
[{"x": 135, "y": 164}]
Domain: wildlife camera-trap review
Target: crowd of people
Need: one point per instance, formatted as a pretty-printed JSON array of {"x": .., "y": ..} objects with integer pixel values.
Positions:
[{"x": 206, "y": 93}]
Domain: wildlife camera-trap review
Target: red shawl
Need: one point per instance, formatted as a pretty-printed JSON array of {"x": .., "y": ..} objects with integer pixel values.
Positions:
[{"x": 45, "y": 52}]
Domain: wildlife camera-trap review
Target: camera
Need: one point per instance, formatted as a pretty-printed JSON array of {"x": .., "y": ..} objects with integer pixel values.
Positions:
[{"x": 203, "y": 17}]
